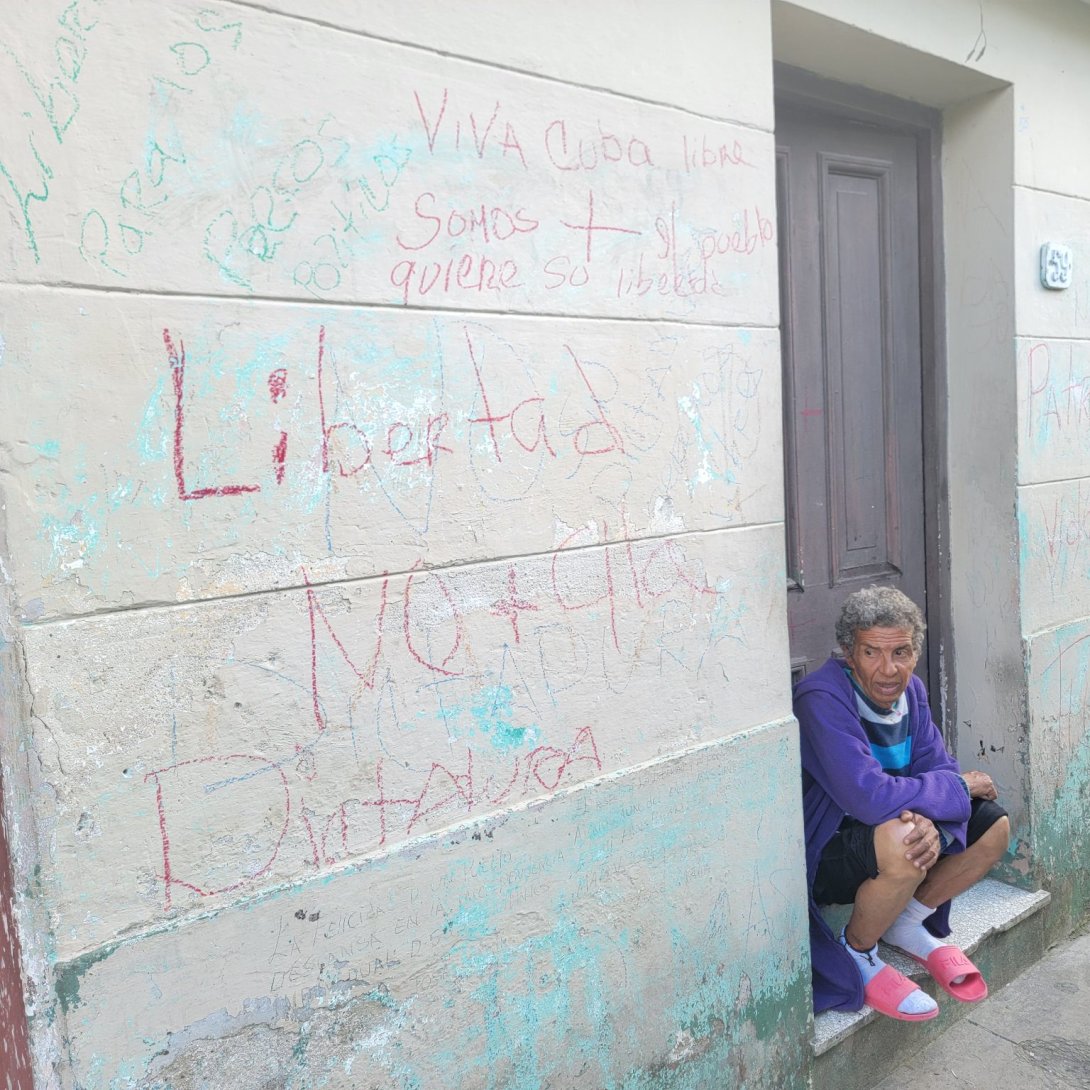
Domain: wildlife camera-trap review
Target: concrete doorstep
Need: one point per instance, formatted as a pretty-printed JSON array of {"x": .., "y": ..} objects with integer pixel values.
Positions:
[{"x": 998, "y": 925}]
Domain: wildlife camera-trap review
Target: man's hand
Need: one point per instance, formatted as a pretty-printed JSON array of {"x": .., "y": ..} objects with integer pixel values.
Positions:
[
  {"x": 921, "y": 841},
  {"x": 980, "y": 785}
]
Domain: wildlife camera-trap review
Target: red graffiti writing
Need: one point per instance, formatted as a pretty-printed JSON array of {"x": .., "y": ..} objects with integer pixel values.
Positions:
[
  {"x": 275, "y": 833},
  {"x": 590, "y": 227},
  {"x": 511, "y": 606},
  {"x": 317, "y": 613},
  {"x": 478, "y": 129},
  {"x": 176, "y": 357},
  {"x": 259, "y": 790},
  {"x": 483, "y": 224}
]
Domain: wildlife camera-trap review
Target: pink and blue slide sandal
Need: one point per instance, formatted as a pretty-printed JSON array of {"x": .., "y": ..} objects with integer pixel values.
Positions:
[
  {"x": 948, "y": 962},
  {"x": 888, "y": 989}
]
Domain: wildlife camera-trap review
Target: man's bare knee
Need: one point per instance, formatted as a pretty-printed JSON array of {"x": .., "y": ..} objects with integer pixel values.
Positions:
[{"x": 889, "y": 849}]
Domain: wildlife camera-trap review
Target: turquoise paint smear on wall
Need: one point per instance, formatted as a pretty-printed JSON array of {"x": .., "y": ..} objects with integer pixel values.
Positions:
[
  {"x": 644, "y": 933},
  {"x": 1061, "y": 832},
  {"x": 152, "y": 439},
  {"x": 1058, "y": 824},
  {"x": 493, "y": 712},
  {"x": 73, "y": 533},
  {"x": 538, "y": 1000}
]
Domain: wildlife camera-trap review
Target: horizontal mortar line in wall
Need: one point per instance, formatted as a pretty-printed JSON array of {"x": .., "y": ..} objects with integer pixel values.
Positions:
[
  {"x": 1053, "y": 338},
  {"x": 417, "y": 844},
  {"x": 352, "y": 580},
  {"x": 1078, "y": 479},
  {"x": 430, "y": 50},
  {"x": 397, "y": 308},
  {"x": 1054, "y": 629},
  {"x": 1051, "y": 192}
]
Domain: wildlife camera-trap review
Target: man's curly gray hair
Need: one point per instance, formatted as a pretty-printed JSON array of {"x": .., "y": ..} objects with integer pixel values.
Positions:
[{"x": 879, "y": 607}]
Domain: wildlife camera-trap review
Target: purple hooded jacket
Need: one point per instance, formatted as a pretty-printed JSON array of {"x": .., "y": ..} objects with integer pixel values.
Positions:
[{"x": 841, "y": 776}]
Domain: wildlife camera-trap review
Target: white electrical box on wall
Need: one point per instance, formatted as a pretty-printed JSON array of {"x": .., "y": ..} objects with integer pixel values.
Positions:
[{"x": 1056, "y": 265}]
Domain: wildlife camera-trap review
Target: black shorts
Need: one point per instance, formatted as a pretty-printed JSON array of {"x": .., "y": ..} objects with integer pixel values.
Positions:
[{"x": 849, "y": 859}]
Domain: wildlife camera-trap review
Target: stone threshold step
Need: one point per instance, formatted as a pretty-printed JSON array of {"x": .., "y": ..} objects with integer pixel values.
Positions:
[{"x": 989, "y": 908}]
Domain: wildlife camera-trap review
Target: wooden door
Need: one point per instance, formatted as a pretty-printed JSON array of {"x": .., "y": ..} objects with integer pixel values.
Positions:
[{"x": 853, "y": 427}]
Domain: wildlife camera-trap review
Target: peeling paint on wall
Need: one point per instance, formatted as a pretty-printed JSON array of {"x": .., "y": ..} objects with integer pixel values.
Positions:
[
  {"x": 391, "y": 490},
  {"x": 509, "y": 952},
  {"x": 1060, "y": 680}
]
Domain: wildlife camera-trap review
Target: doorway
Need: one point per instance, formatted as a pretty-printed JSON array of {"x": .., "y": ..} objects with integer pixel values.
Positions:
[{"x": 862, "y": 431}]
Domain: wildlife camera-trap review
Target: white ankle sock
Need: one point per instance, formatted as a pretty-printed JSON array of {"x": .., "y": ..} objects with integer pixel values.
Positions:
[
  {"x": 870, "y": 965},
  {"x": 908, "y": 933}
]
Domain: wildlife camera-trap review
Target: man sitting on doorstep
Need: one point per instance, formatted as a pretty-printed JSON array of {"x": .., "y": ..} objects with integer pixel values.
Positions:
[{"x": 893, "y": 827}]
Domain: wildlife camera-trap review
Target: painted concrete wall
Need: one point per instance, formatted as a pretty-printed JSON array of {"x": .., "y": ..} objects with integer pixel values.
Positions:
[
  {"x": 394, "y": 663},
  {"x": 398, "y": 686}
]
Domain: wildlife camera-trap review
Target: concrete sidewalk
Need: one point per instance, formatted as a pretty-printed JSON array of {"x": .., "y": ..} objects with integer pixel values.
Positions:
[{"x": 1034, "y": 1034}]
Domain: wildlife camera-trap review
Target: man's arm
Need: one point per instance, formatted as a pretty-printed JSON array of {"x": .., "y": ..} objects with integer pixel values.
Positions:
[{"x": 980, "y": 785}]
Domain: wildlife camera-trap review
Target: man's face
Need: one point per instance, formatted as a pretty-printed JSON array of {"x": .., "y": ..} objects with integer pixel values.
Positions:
[{"x": 883, "y": 660}]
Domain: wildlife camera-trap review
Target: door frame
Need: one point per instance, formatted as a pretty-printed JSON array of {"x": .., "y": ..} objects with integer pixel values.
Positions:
[{"x": 803, "y": 90}]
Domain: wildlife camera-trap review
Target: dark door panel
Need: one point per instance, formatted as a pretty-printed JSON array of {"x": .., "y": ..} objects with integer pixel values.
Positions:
[{"x": 853, "y": 428}]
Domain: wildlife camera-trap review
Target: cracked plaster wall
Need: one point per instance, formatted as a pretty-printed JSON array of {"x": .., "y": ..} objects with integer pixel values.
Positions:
[
  {"x": 394, "y": 662},
  {"x": 396, "y": 692}
]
